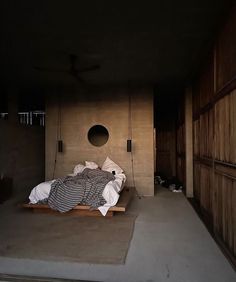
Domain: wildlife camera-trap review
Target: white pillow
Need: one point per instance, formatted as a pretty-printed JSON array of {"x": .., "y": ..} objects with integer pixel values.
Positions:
[
  {"x": 78, "y": 168},
  {"x": 40, "y": 192},
  {"x": 91, "y": 165},
  {"x": 110, "y": 166}
]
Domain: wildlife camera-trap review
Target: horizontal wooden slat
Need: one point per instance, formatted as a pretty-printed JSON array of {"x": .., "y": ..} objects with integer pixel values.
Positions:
[
  {"x": 225, "y": 90},
  {"x": 225, "y": 164},
  {"x": 226, "y": 174}
]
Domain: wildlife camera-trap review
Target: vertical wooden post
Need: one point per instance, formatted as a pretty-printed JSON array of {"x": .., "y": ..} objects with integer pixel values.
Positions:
[
  {"x": 189, "y": 143},
  {"x": 173, "y": 150}
]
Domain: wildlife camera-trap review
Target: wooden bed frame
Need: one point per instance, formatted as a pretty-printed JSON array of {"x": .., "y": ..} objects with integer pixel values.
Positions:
[{"x": 83, "y": 210}]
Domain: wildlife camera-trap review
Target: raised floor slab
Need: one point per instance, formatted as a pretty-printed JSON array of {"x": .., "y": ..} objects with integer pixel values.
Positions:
[{"x": 170, "y": 243}]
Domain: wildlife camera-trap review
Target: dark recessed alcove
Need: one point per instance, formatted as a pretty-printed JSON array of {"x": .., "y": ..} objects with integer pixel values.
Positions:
[{"x": 98, "y": 135}]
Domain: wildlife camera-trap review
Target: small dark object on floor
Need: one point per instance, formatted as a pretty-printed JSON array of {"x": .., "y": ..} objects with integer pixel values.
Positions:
[{"x": 171, "y": 183}]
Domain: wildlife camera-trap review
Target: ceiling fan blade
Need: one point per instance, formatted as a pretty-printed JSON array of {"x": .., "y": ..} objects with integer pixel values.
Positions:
[
  {"x": 73, "y": 59},
  {"x": 49, "y": 69},
  {"x": 73, "y": 71},
  {"x": 80, "y": 79},
  {"x": 95, "y": 67}
]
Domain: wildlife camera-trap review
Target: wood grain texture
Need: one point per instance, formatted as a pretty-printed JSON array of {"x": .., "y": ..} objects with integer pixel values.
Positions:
[
  {"x": 214, "y": 131},
  {"x": 166, "y": 150},
  {"x": 226, "y": 52},
  {"x": 225, "y": 211}
]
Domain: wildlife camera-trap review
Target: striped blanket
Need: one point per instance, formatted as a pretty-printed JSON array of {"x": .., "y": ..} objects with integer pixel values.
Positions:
[{"x": 84, "y": 188}]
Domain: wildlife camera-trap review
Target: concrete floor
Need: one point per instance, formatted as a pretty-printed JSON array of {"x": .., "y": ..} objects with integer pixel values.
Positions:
[{"x": 170, "y": 243}]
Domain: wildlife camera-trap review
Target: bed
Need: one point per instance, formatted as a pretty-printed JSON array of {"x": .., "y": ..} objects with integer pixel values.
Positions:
[{"x": 111, "y": 192}]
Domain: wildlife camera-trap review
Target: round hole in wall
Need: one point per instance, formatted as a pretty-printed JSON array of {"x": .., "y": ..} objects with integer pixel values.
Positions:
[{"x": 98, "y": 135}]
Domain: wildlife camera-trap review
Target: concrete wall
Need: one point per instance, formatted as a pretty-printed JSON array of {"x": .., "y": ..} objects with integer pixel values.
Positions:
[
  {"x": 80, "y": 110},
  {"x": 22, "y": 152}
]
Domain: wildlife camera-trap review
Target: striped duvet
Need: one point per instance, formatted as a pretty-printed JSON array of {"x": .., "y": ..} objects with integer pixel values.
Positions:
[{"x": 84, "y": 188}]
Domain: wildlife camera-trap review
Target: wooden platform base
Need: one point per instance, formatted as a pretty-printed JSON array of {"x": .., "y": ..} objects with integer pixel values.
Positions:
[{"x": 82, "y": 210}]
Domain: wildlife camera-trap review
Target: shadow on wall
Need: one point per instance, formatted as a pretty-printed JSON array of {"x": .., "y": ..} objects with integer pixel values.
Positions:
[{"x": 22, "y": 158}]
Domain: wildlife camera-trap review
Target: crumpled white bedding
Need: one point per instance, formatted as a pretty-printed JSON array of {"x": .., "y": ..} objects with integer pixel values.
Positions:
[{"x": 110, "y": 192}]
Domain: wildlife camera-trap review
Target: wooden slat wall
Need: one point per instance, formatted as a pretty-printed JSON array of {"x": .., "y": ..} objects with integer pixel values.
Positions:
[
  {"x": 225, "y": 128},
  {"x": 206, "y": 192},
  {"x": 196, "y": 140},
  {"x": 206, "y": 133},
  {"x": 166, "y": 148},
  {"x": 225, "y": 210},
  {"x": 180, "y": 143},
  {"x": 196, "y": 181},
  {"x": 181, "y": 169},
  {"x": 214, "y": 138},
  {"x": 226, "y": 52}
]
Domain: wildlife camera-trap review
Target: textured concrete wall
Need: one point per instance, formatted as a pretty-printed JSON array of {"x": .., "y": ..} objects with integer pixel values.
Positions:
[
  {"x": 80, "y": 110},
  {"x": 22, "y": 152}
]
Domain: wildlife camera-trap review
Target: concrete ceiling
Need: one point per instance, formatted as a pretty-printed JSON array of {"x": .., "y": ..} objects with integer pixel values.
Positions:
[{"x": 146, "y": 42}]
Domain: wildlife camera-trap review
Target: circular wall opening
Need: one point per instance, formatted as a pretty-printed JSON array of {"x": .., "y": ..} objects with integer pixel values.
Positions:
[{"x": 98, "y": 135}]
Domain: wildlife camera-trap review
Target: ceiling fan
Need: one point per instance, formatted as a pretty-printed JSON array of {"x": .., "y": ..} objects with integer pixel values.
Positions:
[{"x": 73, "y": 70}]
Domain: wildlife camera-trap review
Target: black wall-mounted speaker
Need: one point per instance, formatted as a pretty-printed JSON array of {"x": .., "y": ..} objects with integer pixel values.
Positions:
[
  {"x": 129, "y": 145},
  {"x": 60, "y": 146}
]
